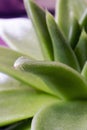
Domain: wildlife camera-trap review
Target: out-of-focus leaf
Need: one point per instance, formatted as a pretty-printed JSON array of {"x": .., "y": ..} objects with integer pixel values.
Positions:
[
  {"x": 8, "y": 56},
  {"x": 62, "y": 80},
  {"x": 62, "y": 51},
  {"x": 20, "y": 36},
  {"x": 65, "y": 116},
  {"x": 81, "y": 49},
  {"x": 74, "y": 33},
  {"x": 83, "y": 20},
  {"x": 84, "y": 71},
  {"x": 39, "y": 21},
  {"x": 23, "y": 125},
  {"x": 7, "y": 83},
  {"x": 66, "y": 10},
  {"x": 7, "y": 60},
  {"x": 21, "y": 103}
]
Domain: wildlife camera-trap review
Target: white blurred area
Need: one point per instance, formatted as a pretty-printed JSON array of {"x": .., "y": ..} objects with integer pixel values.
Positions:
[
  {"x": 19, "y": 27},
  {"x": 3, "y": 78},
  {"x": 15, "y": 26}
]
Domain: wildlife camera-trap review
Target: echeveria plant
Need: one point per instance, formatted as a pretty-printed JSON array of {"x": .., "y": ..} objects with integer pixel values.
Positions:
[{"x": 45, "y": 86}]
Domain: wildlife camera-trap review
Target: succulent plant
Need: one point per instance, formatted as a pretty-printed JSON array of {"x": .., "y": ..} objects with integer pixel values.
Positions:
[{"x": 45, "y": 77}]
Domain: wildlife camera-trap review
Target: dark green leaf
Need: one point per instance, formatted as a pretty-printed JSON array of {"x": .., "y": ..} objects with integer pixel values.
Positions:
[
  {"x": 23, "y": 125},
  {"x": 74, "y": 33},
  {"x": 81, "y": 49}
]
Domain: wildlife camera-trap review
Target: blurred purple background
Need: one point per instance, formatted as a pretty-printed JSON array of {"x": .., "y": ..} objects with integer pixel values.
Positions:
[
  {"x": 15, "y": 9},
  {"x": 11, "y": 8}
]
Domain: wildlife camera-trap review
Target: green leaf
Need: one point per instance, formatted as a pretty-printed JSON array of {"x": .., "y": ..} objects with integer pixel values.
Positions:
[
  {"x": 23, "y": 125},
  {"x": 20, "y": 103},
  {"x": 84, "y": 71},
  {"x": 39, "y": 21},
  {"x": 61, "y": 79},
  {"x": 8, "y": 56},
  {"x": 81, "y": 49},
  {"x": 74, "y": 33},
  {"x": 66, "y": 10},
  {"x": 83, "y": 20},
  {"x": 62, "y": 51},
  {"x": 21, "y": 38},
  {"x": 63, "y": 116},
  {"x": 7, "y": 60}
]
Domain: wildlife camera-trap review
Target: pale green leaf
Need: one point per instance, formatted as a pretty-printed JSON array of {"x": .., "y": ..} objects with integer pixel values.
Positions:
[
  {"x": 37, "y": 16},
  {"x": 21, "y": 103},
  {"x": 62, "y": 51},
  {"x": 81, "y": 49},
  {"x": 84, "y": 71},
  {"x": 20, "y": 36},
  {"x": 66, "y": 10},
  {"x": 61, "y": 79},
  {"x": 7, "y": 60},
  {"x": 63, "y": 116}
]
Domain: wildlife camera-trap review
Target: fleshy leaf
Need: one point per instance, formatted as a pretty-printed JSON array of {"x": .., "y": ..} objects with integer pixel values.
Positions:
[
  {"x": 81, "y": 49},
  {"x": 39, "y": 21},
  {"x": 7, "y": 59},
  {"x": 63, "y": 116},
  {"x": 62, "y": 51},
  {"x": 23, "y": 125},
  {"x": 66, "y": 10},
  {"x": 74, "y": 33},
  {"x": 20, "y": 103},
  {"x": 20, "y": 36},
  {"x": 83, "y": 20},
  {"x": 84, "y": 71},
  {"x": 61, "y": 79}
]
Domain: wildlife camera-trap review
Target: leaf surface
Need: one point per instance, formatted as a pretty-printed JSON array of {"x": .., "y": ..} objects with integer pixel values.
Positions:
[
  {"x": 62, "y": 51},
  {"x": 7, "y": 60},
  {"x": 81, "y": 49},
  {"x": 74, "y": 33},
  {"x": 61, "y": 79},
  {"x": 66, "y": 10},
  {"x": 39, "y": 21},
  {"x": 83, "y": 20},
  {"x": 84, "y": 71},
  {"x": 63, "y": 116},
  {"x": 20, "y": 102}
]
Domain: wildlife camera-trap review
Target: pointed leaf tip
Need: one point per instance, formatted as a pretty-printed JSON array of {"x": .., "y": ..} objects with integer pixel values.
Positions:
[
  {"x": 64, "y": 11},
  {"x": 62, "y": 51},
  {"x": 81, "y": 49},
  {"x": 37, "y": 15}
]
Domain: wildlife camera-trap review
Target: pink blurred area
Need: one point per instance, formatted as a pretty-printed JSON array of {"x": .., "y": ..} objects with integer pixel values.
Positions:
[
  {"x": 2, "y": 43},
  {"x": 46, "y": 3}
]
